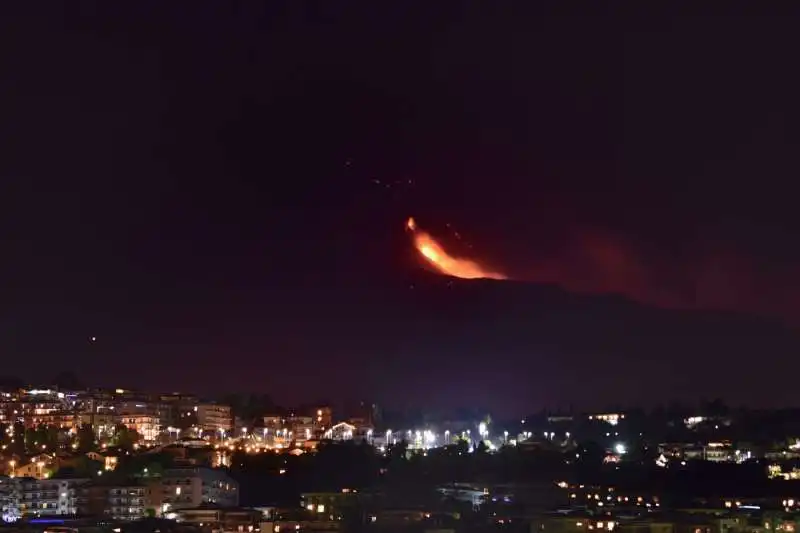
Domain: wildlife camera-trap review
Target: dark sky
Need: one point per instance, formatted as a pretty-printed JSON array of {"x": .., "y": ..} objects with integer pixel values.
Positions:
[{"x": 217, "y": 192}]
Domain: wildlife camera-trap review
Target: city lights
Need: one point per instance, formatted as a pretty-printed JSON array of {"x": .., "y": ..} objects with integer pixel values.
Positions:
[{"x": 132, "y": 427}]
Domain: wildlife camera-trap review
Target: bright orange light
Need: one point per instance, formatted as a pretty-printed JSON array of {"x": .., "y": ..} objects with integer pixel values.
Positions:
[{"x": 445, "y": 263}]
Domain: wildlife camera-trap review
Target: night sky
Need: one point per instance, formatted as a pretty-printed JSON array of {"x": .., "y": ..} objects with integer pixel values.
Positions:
[{"x": 217, "y": 191}]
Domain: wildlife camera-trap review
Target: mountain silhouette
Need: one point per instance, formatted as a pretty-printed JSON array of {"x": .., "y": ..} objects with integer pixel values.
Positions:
[{"x": 545, "y": 345}]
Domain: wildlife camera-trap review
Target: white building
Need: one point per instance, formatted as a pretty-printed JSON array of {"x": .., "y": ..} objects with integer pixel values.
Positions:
[
  {"x": 49, "y": 497},
  {"x": 214, "y": 417},
  {"x": 10, "y": 499},
  {"x": 609, "y": 418},
  {"x": 340, "y": 431},
  {"x": 718, "y": 452}
]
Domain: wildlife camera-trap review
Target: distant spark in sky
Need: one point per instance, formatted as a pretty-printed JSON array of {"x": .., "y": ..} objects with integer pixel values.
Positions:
[{"x": 435, "y": 254}]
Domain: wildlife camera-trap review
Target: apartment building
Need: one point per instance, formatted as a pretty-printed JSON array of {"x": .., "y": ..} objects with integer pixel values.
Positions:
[
  {"x": 143, "y": 417},
  {"x": 178, "y": 410},
  {"x": 214, "y": 417},
  {"x": 37, "y": 407},
  {"x": 323, "y": 418},
  {"x": 301, "y": 428},
  {"x": 10, "y": 499},
  {"x": 221, "y": 519},
  {"x": 49, "y": 497},
  {"x": 128, "y": 501},
  {"x": 185, "y": 488}
]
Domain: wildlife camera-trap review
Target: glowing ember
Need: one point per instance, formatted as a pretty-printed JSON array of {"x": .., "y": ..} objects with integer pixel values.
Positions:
[{"x": 438, "y": 257}]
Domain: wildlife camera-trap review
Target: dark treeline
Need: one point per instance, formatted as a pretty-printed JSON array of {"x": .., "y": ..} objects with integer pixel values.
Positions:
[{"x": 280, "y": 478}]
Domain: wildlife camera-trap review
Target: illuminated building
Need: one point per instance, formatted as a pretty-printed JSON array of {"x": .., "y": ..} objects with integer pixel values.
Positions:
[
  {"x": 178, "y": 410},
  {"x": 609, "y": 418},
  {"x": 147, "y": 426},
  {"x": 186, "y": 488},
  {"x": 49, "y": 497},
  {"x": 109, "y": 461},
  {"x": 775, "y": 471},
  {"x": 8, "y": 408},
  {"x": 221, "y": 519},
  {"x": 301, "y": 427},
  {"x": 465, "y": 492},
  {"x": 38, "y": 467},
  {"x": 365, "y": 414},
  {"x": 10, "y": 499},
  {"x": 141, "y": 417},
  {"x": 273, "y": 423},
  {"x": 693, "y": 421},
  {"x": 323, "y": 418},
  {"x": 97, "y": 409},
  {"x": 102, "y": 422},
  {"x": 59, "y": 419},
  {"x": 214, "y": 417},
  {"x": 717, "y": 452},
  {"x": 340, "y": 431},
  {"x": 330, "y": 503},
  {"x": 119, "y": 502},
  {"x": 45, "y": 407},
  {"x": 576, "y": 523},
  {"x": 220, "y": 458}
]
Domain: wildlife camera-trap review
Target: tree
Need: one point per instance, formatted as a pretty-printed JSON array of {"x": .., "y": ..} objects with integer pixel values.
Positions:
[
  {"x": 156, "y": 468},
  {"x": 31, "y": 439},
  {"x": 398, "y": 451},
  {"x": 461, "y": 446},
  {"x": 643, "y": 453},
  {"x": 85, "y": 438},
  {"x": 591, "y": 453},
  {"x": 124, "y": 437},
  {"x": 47, "y": 436},
  {"x": 17, "y": 445},
  {"x": 42, "y": 437},
  {"x": 81, "y": 467},
  {"x": 482, "y": 448}
]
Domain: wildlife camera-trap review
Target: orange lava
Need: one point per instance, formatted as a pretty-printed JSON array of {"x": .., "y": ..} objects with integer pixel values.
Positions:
[{"x": 437, "y": 256}]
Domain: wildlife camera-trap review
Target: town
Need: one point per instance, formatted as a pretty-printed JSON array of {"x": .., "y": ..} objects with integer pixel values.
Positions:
[
  {"x": 130, "y": 458},
  {"x": 399, "y": 267}
]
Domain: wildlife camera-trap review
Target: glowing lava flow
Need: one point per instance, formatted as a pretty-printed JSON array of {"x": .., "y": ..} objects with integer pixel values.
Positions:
[{"x": 445, "y": 263}]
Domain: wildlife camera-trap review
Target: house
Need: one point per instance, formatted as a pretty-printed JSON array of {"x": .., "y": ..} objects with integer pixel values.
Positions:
[{"x": 109, "y": 460}]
